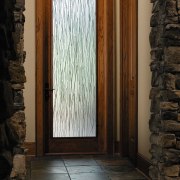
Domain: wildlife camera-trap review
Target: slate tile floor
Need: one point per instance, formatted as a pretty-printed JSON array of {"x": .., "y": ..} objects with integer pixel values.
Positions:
[{"x": 82, "y": 168}]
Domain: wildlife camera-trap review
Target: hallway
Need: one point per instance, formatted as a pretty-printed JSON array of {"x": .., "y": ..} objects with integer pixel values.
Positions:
[{"x": 82, "y": 168}]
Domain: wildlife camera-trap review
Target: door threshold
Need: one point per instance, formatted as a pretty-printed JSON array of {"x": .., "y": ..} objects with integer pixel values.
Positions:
[{"x": 75, "y": 153}]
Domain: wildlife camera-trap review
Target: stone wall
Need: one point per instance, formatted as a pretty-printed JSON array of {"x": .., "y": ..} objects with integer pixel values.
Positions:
[
  {"x": 12, "y": 79},
  {"x": 165, "y": 93}
]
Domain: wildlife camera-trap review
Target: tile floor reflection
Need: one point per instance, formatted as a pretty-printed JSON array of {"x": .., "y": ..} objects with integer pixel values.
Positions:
[{"x": 82, "y": 168}]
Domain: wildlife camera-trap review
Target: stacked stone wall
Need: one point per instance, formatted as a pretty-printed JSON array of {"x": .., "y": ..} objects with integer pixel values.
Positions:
[
  {"x": 12, "y": 79},
  {"x": 165, "y": 93}
]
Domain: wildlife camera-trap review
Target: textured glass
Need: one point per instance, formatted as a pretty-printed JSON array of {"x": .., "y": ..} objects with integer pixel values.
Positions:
[{"x": 74, "y": 68}]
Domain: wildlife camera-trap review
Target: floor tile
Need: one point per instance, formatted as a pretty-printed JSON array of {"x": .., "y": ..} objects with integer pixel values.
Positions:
[
  {"x": 113, "y": 162},
  {"x": 80, "y": 162},
  {"x": 89, "y": 176},
  {"x": 46, "y": 163},
  {"x": 84, "y": 169},
  {"x": 133, "y": 175},
  {"x": 46, "y": 176},
  {"x": 118, "y": 169},
  {"x": 49, "y": 170}
]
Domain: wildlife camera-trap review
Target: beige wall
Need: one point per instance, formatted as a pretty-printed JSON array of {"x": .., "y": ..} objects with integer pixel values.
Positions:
[
  {"x": 29, "y": 92},
  {"x": 144, "y": 77},
  {"x": 144, "y": 73}
]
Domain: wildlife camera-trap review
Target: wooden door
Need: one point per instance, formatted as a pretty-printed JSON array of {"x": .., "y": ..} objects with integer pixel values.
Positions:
[{"x": 98, "y": 143}]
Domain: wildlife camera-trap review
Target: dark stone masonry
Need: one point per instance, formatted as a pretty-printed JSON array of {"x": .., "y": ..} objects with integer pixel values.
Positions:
[
  {"x": 12, "y": 79},
  {"x": 165, "y": 93}
]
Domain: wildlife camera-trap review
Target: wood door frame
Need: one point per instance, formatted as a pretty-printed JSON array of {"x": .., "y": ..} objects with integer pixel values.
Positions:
[
  {"x": 41, "y": 40},
  {"x": 129, "y": 78}
]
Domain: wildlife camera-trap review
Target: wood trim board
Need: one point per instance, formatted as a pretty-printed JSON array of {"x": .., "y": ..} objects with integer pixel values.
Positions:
[{"x": 128, "y": 78}]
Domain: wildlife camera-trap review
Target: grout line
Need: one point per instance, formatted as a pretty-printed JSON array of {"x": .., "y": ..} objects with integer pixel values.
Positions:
[{"x": 66, "y": 169}]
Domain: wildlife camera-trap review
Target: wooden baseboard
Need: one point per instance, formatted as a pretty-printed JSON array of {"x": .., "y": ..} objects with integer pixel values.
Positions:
[
  {"x": 31, "y": 146},
  {"x": 143, "y": 164}
]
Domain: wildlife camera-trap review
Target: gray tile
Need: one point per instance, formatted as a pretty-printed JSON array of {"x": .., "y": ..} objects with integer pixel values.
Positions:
[
  {"x": 46, "y": 176},
  {"x": 49, "y": 170},
  {"x": 89, "y": 176},
  {"x": 84, "y": 169},
  {"x": 80, "y": 162},
  {"x": 46, "y": 163},
  {"x": 118, "y": 169},
  {"x": 132, "y": 175},
  {"x": 113, "y": 162}
]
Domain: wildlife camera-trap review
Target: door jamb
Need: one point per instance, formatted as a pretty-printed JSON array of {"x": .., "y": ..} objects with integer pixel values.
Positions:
[
  {"x": 129, "y": 78},
  {"x": 40, "y": 55}
]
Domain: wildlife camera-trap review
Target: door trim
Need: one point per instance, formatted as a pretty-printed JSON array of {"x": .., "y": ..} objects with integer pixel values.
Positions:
[
  {"x": 108, "y": 77},
  {"x": 129, "y": 78}
]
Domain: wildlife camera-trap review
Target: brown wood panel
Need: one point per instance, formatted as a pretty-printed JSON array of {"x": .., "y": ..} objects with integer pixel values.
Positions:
[
  {"x": 128, "y": 75},
  {"x": 39, "y": 76},
  {"x": 110, "y": 86}
]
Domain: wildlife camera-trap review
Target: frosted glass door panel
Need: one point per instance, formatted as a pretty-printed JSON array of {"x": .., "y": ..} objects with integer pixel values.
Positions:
[{"x": 74, "y": 68}]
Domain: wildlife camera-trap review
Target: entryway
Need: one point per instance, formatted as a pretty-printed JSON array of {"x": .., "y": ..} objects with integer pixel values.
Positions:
[{"x": 82, "y": 168}]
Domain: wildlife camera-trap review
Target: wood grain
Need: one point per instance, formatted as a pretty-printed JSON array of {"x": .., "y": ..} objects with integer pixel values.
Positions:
[{"x": 129, "y": 84}]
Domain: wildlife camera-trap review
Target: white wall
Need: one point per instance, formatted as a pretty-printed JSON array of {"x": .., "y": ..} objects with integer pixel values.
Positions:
[
  {"x": 29, "y": 92},
  {"x": 144, "y": 77}
]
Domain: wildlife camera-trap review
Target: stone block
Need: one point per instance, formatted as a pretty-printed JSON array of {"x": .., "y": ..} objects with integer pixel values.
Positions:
[
  {"x": 170, "y": 178},
  {"x": 155, "y": 106},
  {"x": 156, "y": 152},
  {"x": 171, "y": 20},
  {"x": 18, "y": 100},
  {"x": 17, "y": 128},
  {"x": 154, "y": 93},
  {"x": 21, "y": 57},
  {"x": 163, "y": 140},
  {"x": 18, "y": 86},
  {"x": 178, "y": 4},
  {"x": 168, "y": 81},
  {"x": 17, "y": 72},
  {"x": 19, "y": 17},
  {"x": 153, "y": 172},
  {"x": 169, "y": 106},
  {"x": 154, "y": 20},
  {"x": 167, "y": 95},
  {"x": 169, "y": 115},
  {"x": 156, "y": 39},
  {"x": 171, "y": 156},
  {"x": 170, "y": 126},
  {"x": 19, "y": 169},
  {"x": 172, "y": 55},
  {"x": 156, "y": 6},
  {"x": 171, "y": 68},
  {"x": 171, "y": 170},
  {"x": 20, "y": 5},
  {"x": 156, "y": 79},
  {"x": 155, "y": 123},
  {"x": 171, "y": 8},
  {"x": 157, "y": 54}
]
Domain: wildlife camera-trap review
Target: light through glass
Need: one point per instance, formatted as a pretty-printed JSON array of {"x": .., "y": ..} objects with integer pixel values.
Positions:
[{"x": 74, "y": 68}]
